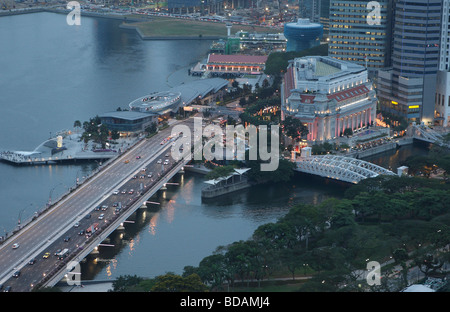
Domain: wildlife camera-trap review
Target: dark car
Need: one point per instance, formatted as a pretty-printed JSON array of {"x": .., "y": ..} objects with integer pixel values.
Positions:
[
  {"x": 16, "y": 274},
  {"x": 32, "y": 261},
  {"x": 67, "y": 238}
]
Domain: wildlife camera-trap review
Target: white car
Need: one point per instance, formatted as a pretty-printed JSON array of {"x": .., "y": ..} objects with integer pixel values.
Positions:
[
  {"x": 101, "y": 216},
  {"x": 159, "y": 161},
  {"x": 15, "y": 246},
  {"x": 115, "y": 192}
]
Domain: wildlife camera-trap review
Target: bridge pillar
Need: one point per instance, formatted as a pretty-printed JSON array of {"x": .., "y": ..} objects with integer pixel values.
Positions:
[
  {"x": 164, "y": 187},
  {"x": 94, "y": 251}
]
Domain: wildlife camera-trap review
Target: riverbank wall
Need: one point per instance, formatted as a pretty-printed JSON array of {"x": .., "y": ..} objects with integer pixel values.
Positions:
[
  {"x": 224, "y": 189},
  {"x": 380, "y": 149},
  {"x": 374, "y": 150}
]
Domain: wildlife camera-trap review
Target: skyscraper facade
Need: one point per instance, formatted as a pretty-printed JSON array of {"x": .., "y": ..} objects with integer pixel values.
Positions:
[
  {"x": 442, "y": 98},
  {"x": 408, "y": 88},
  {"x": 354, "y": 36}
]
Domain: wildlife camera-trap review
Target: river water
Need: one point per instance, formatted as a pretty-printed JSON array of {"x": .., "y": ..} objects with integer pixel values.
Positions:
[{"x": 52, "y": 74}]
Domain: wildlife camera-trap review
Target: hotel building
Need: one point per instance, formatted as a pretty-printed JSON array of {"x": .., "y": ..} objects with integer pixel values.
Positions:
[{"x": 328, "y": 96}]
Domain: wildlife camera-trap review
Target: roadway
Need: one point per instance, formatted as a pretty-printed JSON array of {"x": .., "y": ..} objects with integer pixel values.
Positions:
[{"x": 115, "y": 186}]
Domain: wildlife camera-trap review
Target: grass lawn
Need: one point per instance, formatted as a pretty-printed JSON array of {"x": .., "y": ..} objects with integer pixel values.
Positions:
[{"x": 166, "y": 27}]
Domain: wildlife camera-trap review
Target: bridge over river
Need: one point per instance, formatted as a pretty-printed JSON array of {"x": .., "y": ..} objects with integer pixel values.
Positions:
[
  {"x": 340, "y": 168},
  {"x": 100, "y": 205}
]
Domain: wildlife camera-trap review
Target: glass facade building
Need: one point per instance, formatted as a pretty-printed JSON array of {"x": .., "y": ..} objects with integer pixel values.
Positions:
[
  {"x": 408, "y": 88},
  {"x": 356, "y": 38}
]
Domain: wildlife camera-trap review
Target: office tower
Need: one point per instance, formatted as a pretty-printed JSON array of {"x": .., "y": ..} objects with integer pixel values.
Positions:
[
  {"x": 355, "y": 37},
  {"x": 408, "y": 88},
  {"x": 442, "y": 98}
]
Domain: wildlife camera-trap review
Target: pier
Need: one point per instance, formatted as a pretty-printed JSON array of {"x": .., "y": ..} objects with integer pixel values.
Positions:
[{"x": 65, "y": 147}]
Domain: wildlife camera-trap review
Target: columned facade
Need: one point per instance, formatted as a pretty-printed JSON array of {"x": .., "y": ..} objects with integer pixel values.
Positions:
[{"x": 328, "y": 96}]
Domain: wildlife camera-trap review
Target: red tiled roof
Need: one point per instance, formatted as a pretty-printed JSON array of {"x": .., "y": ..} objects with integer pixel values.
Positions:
[
  {"x": 288, "y": 82},
  {"x": 347, "y": 94},
  {"x": 237, "y": 59}
]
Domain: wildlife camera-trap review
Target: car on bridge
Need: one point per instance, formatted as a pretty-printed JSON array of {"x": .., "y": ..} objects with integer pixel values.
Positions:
[
  {"x": 46, "y": 255},
  {"x": 15, "y": 246}
]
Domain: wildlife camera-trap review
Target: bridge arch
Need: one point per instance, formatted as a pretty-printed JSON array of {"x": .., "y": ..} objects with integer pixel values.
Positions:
[{"x": 340, "y": 168}]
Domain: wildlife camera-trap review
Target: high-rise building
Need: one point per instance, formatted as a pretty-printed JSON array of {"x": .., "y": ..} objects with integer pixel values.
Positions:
[
  {"x": 408, "y": 88},
  {"x": 442, "y": 97},
  {"x": 354, "y": 36}
]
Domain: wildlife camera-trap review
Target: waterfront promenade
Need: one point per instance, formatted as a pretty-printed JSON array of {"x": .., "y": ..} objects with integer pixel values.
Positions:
[{"x": 70, "y": 148}]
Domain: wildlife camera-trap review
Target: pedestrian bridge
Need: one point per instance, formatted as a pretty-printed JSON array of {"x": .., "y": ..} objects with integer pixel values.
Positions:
[
  {"x": 427, "y": 134},
  {"x": 340, "y": 168}
]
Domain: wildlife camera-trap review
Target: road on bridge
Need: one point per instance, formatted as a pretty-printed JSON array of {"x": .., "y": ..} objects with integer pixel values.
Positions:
[{"x": 93, "y": 203}]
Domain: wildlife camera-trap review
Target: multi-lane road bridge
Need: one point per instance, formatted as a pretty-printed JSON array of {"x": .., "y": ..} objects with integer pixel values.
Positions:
[{"x": 99, "y": 206}]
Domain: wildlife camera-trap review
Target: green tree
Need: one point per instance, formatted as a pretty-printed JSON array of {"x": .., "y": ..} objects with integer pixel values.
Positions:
[
  {"x": 171, "y": 282},
  {"x": 348, "y": 132},
  {"x": 152, "y": 128},
  {"x": 115, "y": 135},
  {"x": 294, "y": 128},
  {"x": 77, "y": 124},
  {"x": 125, "y": 283}
]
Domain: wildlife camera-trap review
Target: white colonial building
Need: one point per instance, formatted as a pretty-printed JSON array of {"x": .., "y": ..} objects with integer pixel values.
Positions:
[{"x": 328, "y": 95}]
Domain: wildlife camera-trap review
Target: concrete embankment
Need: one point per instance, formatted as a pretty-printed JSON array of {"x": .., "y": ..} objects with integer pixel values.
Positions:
[
  {"x": 377, "y": 149},
  {"x": 225, "y": 189},
  {"x": 21, "y": 11},
  {"x": 380, "y": 149}
]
